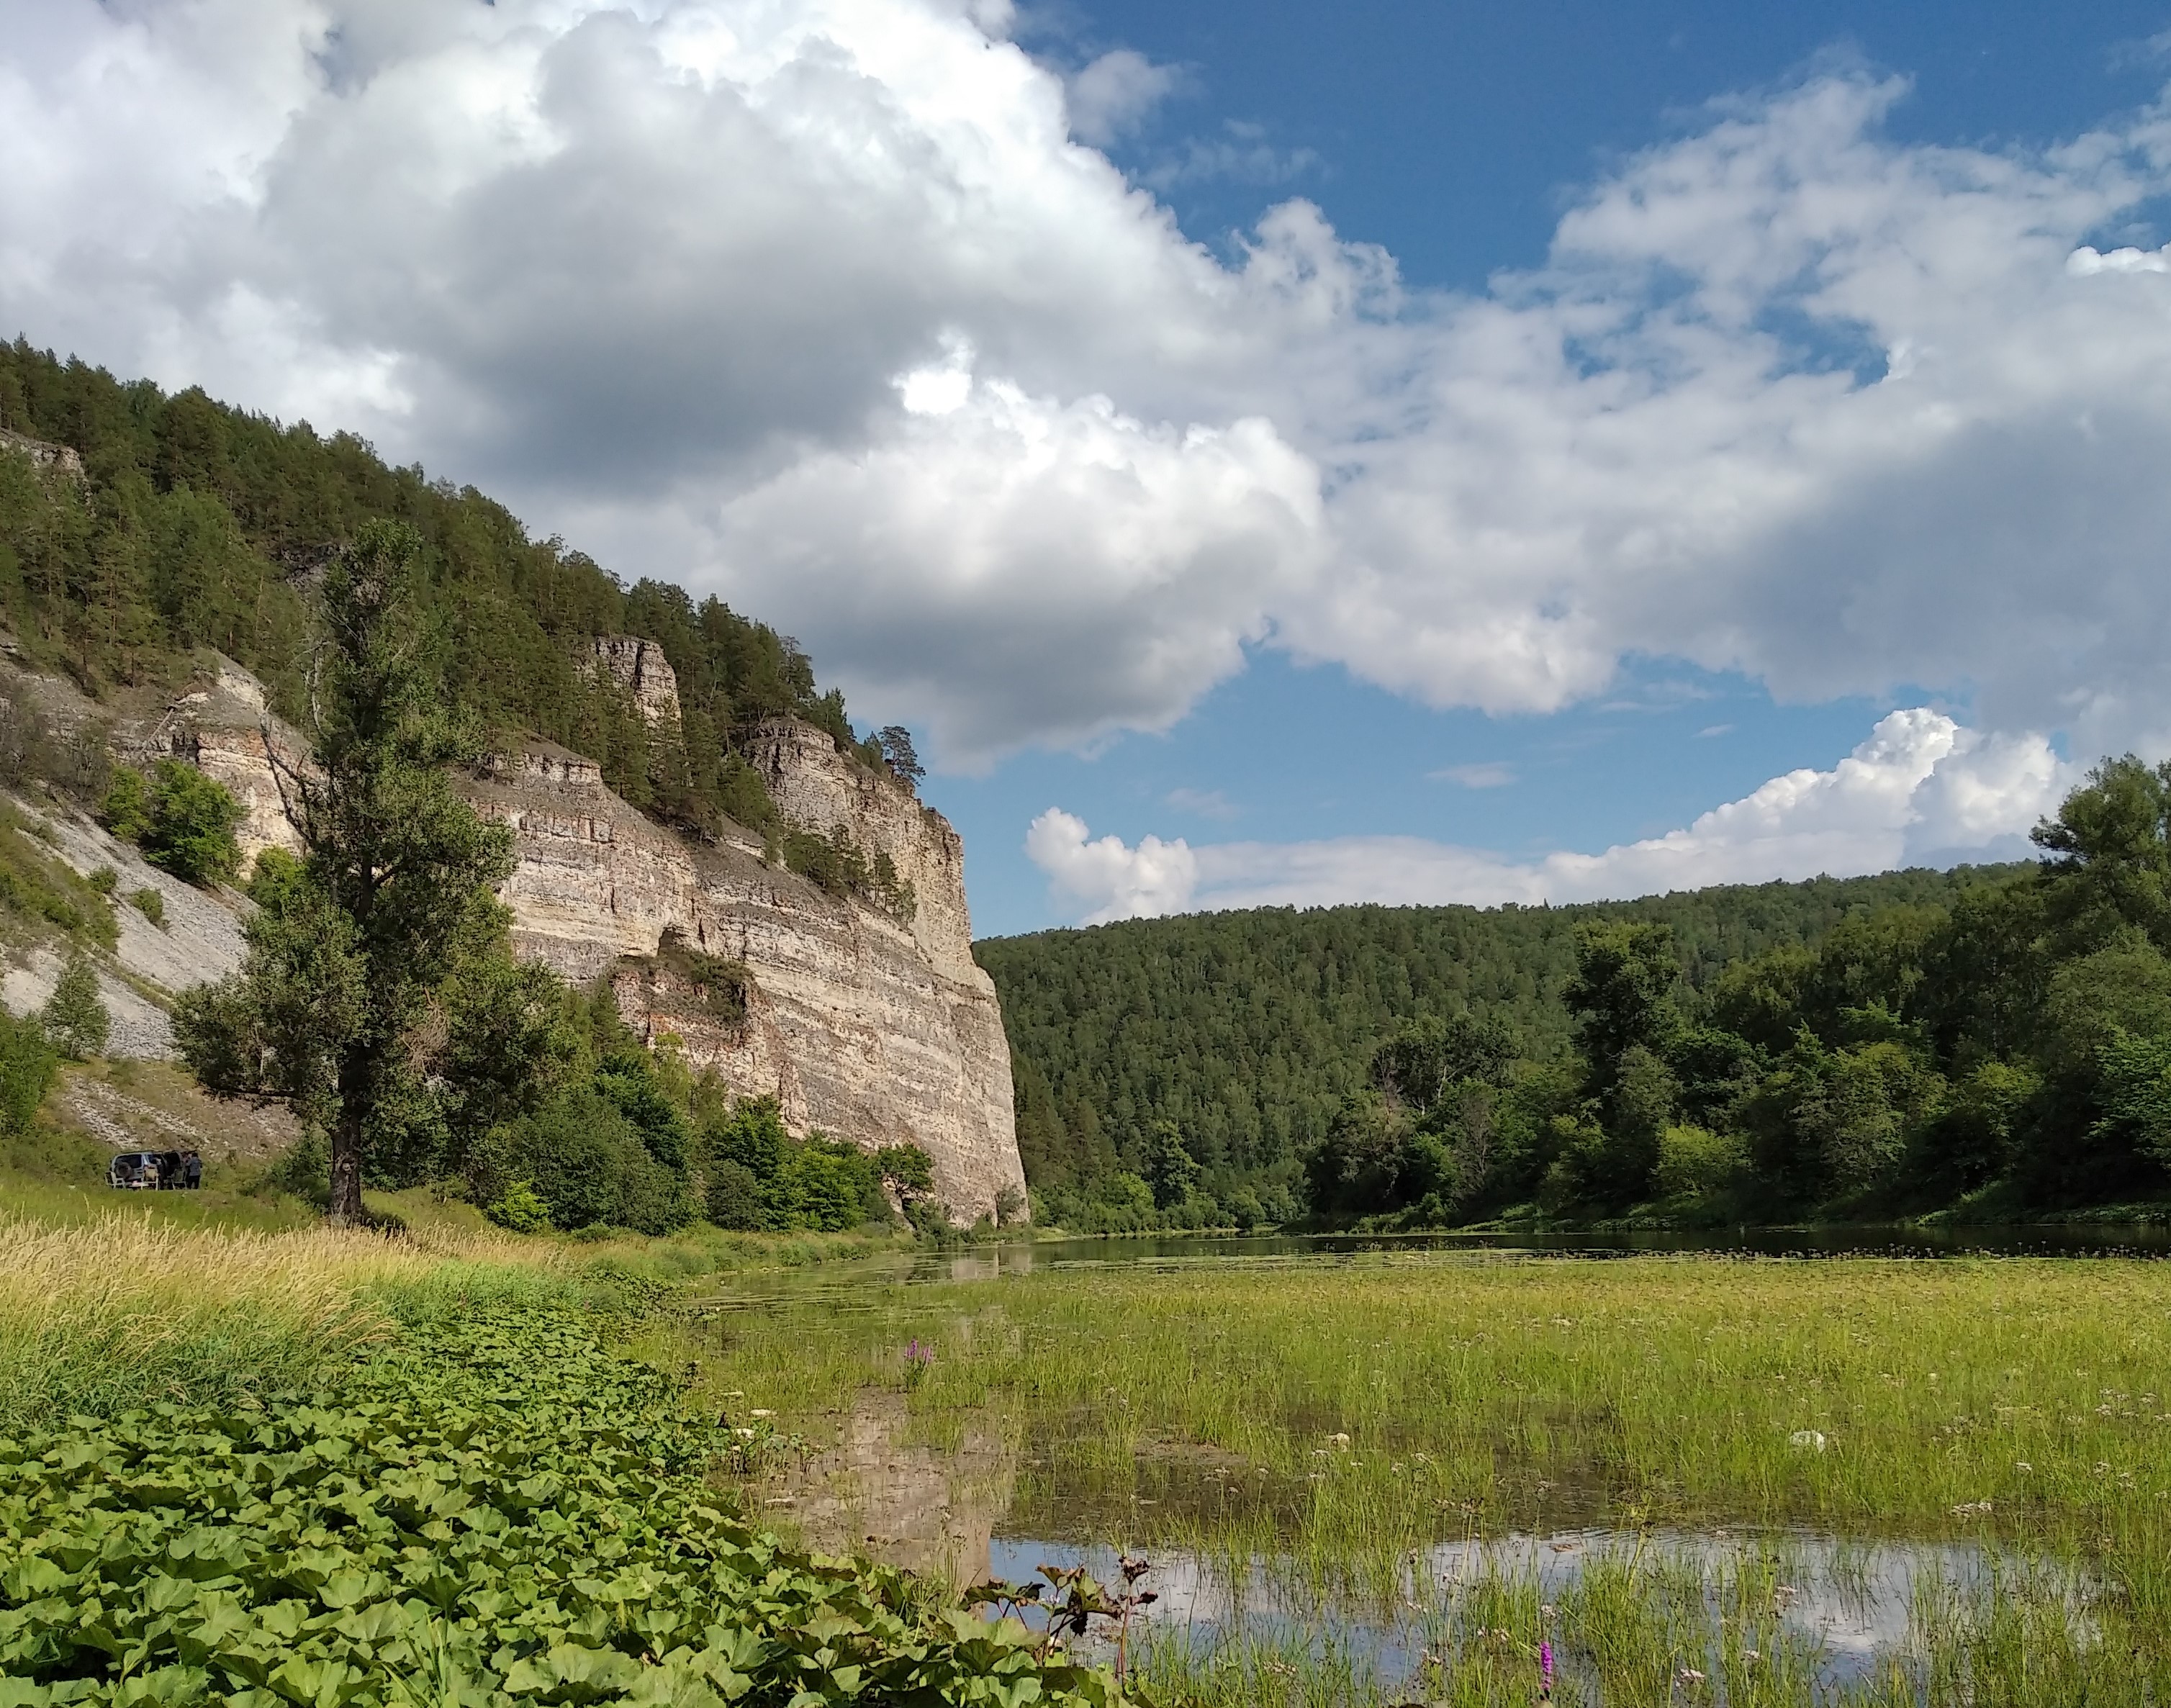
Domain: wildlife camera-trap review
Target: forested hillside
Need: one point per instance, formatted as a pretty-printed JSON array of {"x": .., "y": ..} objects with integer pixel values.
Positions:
[
  {"x": 378, "y": 997},
  {"x": 1245, "y": 1031},
  {"x": 190, "y": 524},
  {"x": 1997, "y": 1039}
]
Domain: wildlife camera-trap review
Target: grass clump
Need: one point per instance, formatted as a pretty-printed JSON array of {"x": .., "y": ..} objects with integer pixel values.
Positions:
[{"x": 97, "y": 1318}]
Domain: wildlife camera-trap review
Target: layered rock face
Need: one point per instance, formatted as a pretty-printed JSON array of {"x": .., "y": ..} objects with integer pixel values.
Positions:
[
  {"x": 870, "y": 1027},
  {"x": 640, "y": 669},
  {"x": 860, "y": 1024},
  {"x": 224, "y": 729}
]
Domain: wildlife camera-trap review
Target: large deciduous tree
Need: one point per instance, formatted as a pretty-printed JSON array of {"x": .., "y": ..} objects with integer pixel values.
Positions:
[{"x": 379, "y": 996}]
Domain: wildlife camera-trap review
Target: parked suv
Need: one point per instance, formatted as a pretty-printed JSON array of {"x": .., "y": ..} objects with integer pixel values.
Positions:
[{"x": 155, "y": 1170}]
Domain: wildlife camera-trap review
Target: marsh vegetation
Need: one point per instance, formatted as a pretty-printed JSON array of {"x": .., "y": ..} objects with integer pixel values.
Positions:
[{"x": 1392, "y": 1477}]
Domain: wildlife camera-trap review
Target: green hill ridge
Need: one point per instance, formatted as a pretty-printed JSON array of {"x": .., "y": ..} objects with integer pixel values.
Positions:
[{"x": 1989, "y": 1041}]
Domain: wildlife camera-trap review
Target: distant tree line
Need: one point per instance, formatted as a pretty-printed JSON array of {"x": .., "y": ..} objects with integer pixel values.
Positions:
[{"x": 1994, "y": 1040}]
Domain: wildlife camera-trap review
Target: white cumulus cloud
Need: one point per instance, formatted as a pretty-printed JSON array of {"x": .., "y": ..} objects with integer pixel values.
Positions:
[
  {"x": 1112, "y": 880},
  {"x": 831, "y": 308},
  {"x": 1921, "y": 785},
  {"x": 1114, "y": 94}
]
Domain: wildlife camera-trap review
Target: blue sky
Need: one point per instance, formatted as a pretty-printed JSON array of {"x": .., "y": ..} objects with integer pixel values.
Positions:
[
  {"x": 1268, "y": 453},
  {"x": 1453, "y": 134},
  {"x": 1284, "y": 754}
]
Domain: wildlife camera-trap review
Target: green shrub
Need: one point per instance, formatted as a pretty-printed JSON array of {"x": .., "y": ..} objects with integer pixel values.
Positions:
[
  {"x": 627, "y": 1077},
  {"x": 62, "y": 1156},
  {"x": 192, "y": 820},
  {"x": 1694, "y": 1161},
  {"x": 832, "y": 864},
  {"x": 759, "y": 1176},
  {"x": 126, "y": 809},
  {"x": 752, "y": 1135},
  {"x": 150, "y": 904},
  {"x": 74, "y": 1017},
  {"x": 104, "y": 880},
  {"x": 27, "y": 1067},
  {"x": 721, "y": 984},
  {"x": 305, "y": 1170},
  {"x": 835, "y": 865},
  {"x": 733, "y": 1198},
  {"x": 519, "y": 1210},
  {"x": 825, "y": 1185},
  {"x": 743, "y": 795},
  {"x": 272, "y": 877},
  {"x": 586, "y": 1163}
]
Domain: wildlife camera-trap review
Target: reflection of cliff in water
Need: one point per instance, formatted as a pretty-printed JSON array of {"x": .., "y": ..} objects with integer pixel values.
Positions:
[{"x": 930, "y": 1509}]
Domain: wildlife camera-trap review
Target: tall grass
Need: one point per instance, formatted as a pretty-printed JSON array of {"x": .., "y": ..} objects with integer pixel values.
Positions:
[
  {"x": 128, "y": 1308},
  {"x": 126, "y": 1312}
]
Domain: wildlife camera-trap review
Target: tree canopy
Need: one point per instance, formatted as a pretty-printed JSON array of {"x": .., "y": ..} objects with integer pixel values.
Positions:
[
  {"x": 195, "y": 525},
  {"x": 1295, "y": 1051}
]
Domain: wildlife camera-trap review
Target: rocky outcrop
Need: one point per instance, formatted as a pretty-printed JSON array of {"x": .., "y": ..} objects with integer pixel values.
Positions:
[
  {"x": 642, "y": 673},
  {"x": 223, "y": 727},
  {"x": 815, "y": 786},
  {"x": 862, "y": 1022},
  {"x": 62, "y": 459}
]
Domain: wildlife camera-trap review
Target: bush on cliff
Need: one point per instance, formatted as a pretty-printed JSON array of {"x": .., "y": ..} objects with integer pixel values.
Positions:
[{"x": 183, "y": 820}]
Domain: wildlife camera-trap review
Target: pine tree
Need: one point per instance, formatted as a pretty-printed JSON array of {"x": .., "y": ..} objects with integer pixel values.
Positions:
[
  {"x": 390, "y": 922},
  {"x": 73, "y": 1017}
]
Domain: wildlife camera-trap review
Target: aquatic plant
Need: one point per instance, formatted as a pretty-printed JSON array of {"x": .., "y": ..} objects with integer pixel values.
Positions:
[
  {"x": 494, "y": 1508},
  {"x": 1308, "y": 1434}
]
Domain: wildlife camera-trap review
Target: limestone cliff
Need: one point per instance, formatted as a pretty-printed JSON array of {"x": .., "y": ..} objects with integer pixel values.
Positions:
[
  {"x": 871, "y": 1027},
  {"x": 642, "y": 672},
  {"x": 223, "y": 728}
]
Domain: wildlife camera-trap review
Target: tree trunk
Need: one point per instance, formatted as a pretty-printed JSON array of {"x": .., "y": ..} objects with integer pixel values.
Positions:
[{"x": 354, "y": 1076}]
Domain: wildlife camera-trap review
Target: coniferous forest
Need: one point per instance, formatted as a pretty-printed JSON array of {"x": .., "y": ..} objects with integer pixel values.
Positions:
[
  {"x": 1991, "y": 1042},
  {"x": 194, "y": 525}
]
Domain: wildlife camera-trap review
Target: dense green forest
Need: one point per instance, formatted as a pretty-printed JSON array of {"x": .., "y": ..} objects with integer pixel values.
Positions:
[
  {"x": 1994, "y": 1038},
  {"x": 193, "y": 525}
]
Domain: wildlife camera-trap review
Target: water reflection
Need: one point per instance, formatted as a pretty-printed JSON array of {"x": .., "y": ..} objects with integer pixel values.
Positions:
[
  {"x": 2124, "y": 1240},
  {"x": 931, "y": 1509},
  {"x": 996, "y": 1261},
  {"x": 1840, "y": 1607},
  {"x": 1833, "y": 1610}
]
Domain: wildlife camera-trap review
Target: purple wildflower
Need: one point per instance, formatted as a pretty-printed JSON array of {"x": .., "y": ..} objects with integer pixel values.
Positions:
[{"x": 1546, "y": 1669}]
